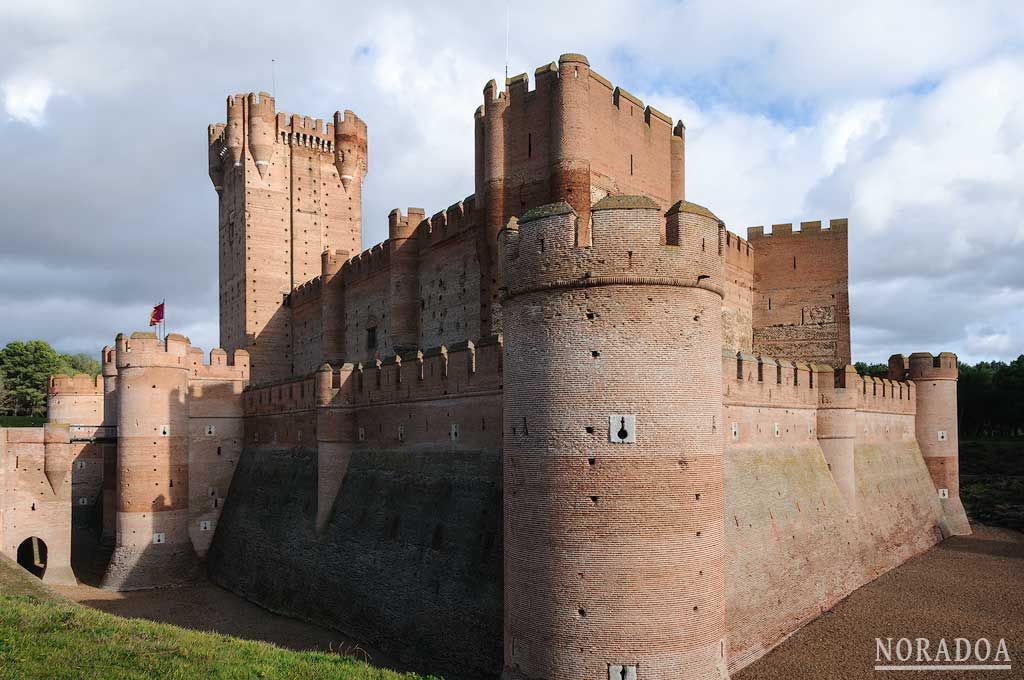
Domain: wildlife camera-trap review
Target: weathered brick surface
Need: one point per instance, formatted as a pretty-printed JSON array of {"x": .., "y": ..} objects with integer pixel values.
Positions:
[
  {"x": 801, "y": 306},
  {"x": 409, "y": 562},
  {"x": 288, "y": 190},
  {"x": 36, "y": 495},
  {"x": 614, "y": 553}
]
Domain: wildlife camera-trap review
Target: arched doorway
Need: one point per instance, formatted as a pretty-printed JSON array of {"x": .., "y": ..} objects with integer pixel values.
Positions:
[{"x": 32, "y": 556}]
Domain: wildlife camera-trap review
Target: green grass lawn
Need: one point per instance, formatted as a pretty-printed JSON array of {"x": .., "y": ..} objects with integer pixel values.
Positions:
[{"x": 43, "y": 635}]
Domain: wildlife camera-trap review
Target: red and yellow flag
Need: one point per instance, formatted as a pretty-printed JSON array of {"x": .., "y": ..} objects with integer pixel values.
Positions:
[{"x": 157, "y": 315}]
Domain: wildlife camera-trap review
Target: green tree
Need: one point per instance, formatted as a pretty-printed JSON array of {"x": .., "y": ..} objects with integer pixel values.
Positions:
[
  {"x": 873, "y": 370},
  {"x": 72, "y": 364},
  {"x": 25, "y": 368}
]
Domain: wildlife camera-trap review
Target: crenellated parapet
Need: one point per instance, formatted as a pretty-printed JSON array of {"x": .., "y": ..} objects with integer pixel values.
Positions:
[
  {"x": 367, "y": 264},
  {"x": 884, "y": 395},
  {"x": 144, "y": 348},
  {"x": 254, "y": 125},
  {"x": 629, "y": 242},
  {"x": 806, "y": 230},
  {"x": 75, "y": 400},
  {"x": 79, "y": 384},
  {"x": 288, "y": 396},
  {"x": 749, "y": 380},
  {"x": 219, "y": 365},
  {"x": 445, "y": 224}
]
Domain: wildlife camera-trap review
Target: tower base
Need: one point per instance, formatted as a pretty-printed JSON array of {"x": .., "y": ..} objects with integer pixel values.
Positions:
[{"x": 156, "y": 566}]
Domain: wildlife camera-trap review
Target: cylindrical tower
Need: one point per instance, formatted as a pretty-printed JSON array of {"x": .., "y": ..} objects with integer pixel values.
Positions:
[
  {"x": 153, "y": 547},
  {"x": 109, "y": 368},
  {"x": 678, "y": 171},
  {"x": 613, "y": 474},
  {"x": 75, "y": 400},
  {"x": 262, "y": 130},
  {"x": 837, "y": 425},
  {"x": 332, "y": 304},
  {"x": 570, "y": 160},
  {"x": 936, "y": 428},
  {"x": 492, "y": 201},
  {"x": 404, "y": 279},
  {"x": 234, "y": 132}
]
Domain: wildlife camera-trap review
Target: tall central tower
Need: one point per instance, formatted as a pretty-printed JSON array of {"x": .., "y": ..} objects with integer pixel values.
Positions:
[{"x": 289, "y": 189}]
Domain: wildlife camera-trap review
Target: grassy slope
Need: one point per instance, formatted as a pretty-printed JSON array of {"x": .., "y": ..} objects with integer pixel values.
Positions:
[{"x": 43, "y": 635}]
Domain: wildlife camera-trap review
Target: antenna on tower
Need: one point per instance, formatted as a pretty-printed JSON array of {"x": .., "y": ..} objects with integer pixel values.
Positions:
[
  {"x": 273, "y": 79},
  {"x": 506, "y": 39}
]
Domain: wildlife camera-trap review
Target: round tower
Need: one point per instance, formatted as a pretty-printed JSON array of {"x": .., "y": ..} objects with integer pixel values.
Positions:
[
  {"x": 153, "y": 548},
  {"x": 109, "y": 368},
  {"x": 936, "y": 429},
  {"x": 75, "y": 400},
  {"x": 404, "y": 279},
  {"x": 490, "y": 197},
  {"x": 570, "y": 158},
  {"x": 234, "y": 132},
  {"x": 350, "y": 149},
  {"x": 262, "y": 130},
  {"x": 613, "y": 474}
]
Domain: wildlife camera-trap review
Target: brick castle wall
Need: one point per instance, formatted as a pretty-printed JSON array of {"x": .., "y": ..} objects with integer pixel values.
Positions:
[{"x": 801, "y": 306}]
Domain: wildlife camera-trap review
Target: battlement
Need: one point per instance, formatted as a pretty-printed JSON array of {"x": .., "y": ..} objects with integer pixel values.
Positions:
[
  {"x": 924, "y": 366},
  {"x": 749, "y": 380},
  {"x": 306, "y": 292},
  {"x": 753, "y": 380},
  {"x": 806, "y": 229},
  {"x": 80, "y": 384},
  {"x": 367, "y": 263},
  {"x": 252, "y": 120},
  {"x": 432, "y": 373},
  {"x": 143, "y": 349},
  {"x": 220, "y": 365},
  {"x": 456, "y": 219},
  {"x": 629, "y": 242},
  {"x": 549, "y": 77},
  {"x": 287, "y": 396},
  {"x": 885, "y": 395},
  {"x": 738, "y": 251}
]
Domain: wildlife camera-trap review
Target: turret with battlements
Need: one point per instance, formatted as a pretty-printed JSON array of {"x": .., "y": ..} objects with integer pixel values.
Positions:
[{"x": 289, "y": 189}]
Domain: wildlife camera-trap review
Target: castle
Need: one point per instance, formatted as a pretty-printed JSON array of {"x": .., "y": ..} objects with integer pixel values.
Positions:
[{"x": 568, "y": 427}]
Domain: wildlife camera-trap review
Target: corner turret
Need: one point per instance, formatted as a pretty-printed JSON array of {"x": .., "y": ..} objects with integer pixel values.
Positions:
[
  {"x": 936, "y": 426},
  {"x": 262, "y": 129},
  {"x": 350, "y": 142},
  {"x": 153, "y": 547}
]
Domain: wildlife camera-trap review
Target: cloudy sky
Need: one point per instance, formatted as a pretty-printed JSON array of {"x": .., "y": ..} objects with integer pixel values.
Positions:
[{"x": 906, "y": 117}]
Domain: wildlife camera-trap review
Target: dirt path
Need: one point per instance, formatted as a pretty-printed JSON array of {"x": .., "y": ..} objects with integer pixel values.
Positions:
[{"x": 967, "y": 586}]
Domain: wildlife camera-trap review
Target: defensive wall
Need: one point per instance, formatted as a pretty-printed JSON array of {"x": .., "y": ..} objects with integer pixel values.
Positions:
[
  {"x": 371, "y": 492},
  {"x": 370, "y": 497}
]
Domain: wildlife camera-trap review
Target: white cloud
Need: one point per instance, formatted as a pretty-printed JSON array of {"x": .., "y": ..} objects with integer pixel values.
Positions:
[
  {"x": 908, "y": 118},
  {"x": 25, "y": 99}
]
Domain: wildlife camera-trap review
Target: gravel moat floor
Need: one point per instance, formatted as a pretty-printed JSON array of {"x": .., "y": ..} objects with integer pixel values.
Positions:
[{"x": 966, "y": 587}]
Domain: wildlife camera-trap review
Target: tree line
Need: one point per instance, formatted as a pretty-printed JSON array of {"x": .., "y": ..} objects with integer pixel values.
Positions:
[
  {"x": 990, "y": 397},
  {"x": 25, "y": 370}
]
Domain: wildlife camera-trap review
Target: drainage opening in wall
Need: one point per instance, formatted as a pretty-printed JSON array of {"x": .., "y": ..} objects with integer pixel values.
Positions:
[{"x": 32, "y": 556}]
